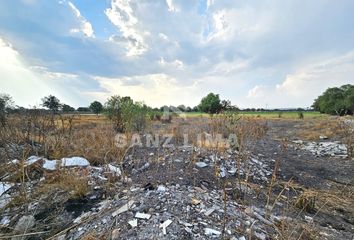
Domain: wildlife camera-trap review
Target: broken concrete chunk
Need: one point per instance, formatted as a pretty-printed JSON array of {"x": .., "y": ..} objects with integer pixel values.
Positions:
[
  {"x": 164, "y": 225},
  {"x": 142, "y": 215},
  {"x": 210, "y": 231},
  {"x": 115, "y": 170},
  {"x": 195, "y": 201},
  {"x": 133, "y": 223},
  {"x": 201, "y": 164},
  {"x": 50, "y": 165},
  {"x": 74, "y": 162},
  {"x": 123, "y": 208}
]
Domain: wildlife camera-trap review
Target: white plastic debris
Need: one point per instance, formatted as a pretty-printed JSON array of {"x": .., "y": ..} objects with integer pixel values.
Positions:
[
  {"x": 114, "y": 169},
  {"x": 210, "y": 231},
  {"x": 201, "y": 164},
  {"x": 123, "y": 208},
  {"x": 74, "y": 162},
  {"x": 133, "y": 223},
  {"x": 4, "y": 187},
  {"x": 164, "y": 225},
  {"x": 142, "y": 215},
  {"x": 50, "y": 164}
]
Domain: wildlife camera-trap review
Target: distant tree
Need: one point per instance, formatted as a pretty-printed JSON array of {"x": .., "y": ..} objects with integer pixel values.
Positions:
[
  {"x": 67, "y": 108},
  {"x": 96, "y": 107},
  {"x": 336, "y": 101},
  {"x": 83, "y": 109},
  {"x": 182, "y": 108},
  {"x": 210, "y": 104},
  {"x": 6, "y": 103},
  {"x": 52, "y": 103},
  {"x": 188, "y": 109}
]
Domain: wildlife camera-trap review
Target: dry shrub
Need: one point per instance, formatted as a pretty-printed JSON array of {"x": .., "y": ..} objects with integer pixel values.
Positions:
[
  {"x": 72, "y": 181},
  {"x": 291, "y": 230},
  {"x": 307, "y": 201}
]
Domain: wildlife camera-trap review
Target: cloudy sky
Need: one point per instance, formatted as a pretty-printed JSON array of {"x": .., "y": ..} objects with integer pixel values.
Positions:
[{"x": 255, "y": 53}]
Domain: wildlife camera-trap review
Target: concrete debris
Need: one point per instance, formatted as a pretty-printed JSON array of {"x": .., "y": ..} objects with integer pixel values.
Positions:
[
  {"x": 115, "y": 170},
  {"x": 142, "y": 215},
  {"x": 123, "y": 208},
  {"x": 164, "y": 225},
  {"x": 74, "y": 162},
  {"x": 133, "y": 223},
  {"x": 324, "y": 149},
  {"x": 201, "y": 164},
  {"x": 210, "y": 231}
]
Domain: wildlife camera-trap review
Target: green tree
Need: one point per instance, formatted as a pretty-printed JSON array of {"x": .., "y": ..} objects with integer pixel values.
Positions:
[
  {"x": 5, "y": 103},
  {"x": 67, "y": 108},
  {"x": 52, "y": 103},
  {"x": 210, "y": 104},
  {"x": 336, "y": 101},
  {"x": 96, "y": 107}
]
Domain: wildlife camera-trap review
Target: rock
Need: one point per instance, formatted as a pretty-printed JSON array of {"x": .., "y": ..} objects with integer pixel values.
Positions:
[
  {"x": 142, "y": 215},
  {"x": 210, "y": 231},
  {"x": 164, "y": 225},
  {"x": 242, "y": 238},
  {"x": 201, "y": 164},
  {"x": 24, "y": 224},
  {"x": 123, "y": 208},
  {"x": 133, "y": 223}
]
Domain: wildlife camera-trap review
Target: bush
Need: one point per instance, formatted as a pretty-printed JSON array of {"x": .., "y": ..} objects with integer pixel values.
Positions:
[
  {"x": 210, "y": 104},
  {"x": 126, "y": 114}
]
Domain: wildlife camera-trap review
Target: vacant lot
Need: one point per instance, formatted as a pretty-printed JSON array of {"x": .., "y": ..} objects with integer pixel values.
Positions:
[{"x": 226, "y": 177}]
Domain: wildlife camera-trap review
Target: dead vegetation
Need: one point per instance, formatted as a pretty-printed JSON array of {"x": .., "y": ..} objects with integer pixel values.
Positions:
[{"x": 225, "y": 143}]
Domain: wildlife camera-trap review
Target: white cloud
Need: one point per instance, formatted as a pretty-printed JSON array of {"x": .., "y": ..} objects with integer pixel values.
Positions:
[
  {"x": 86, "y": 27},
  {"x": 122, "y": 16},
  {"x": 171, "y": 6},
  {"x": 28, "y": 84},
  {"x": 257, "y": 91},
  {"x": 153, "y": 89},
  {"x": 315, "y": 78}
]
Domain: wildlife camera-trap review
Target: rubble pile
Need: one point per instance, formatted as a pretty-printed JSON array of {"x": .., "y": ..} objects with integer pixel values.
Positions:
[{"x": 323, "y": 148}]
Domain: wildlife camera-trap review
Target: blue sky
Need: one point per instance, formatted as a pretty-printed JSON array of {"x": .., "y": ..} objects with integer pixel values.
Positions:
[{"x": 255, "y": 53}]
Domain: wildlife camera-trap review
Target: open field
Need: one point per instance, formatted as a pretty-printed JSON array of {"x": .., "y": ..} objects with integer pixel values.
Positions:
[
  {"x": 268, "y": 114},
  {"x": 283, "y": 178}
]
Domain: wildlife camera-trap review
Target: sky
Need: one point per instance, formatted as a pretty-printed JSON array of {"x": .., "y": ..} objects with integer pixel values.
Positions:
[{"x": 266, "y": 54}]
